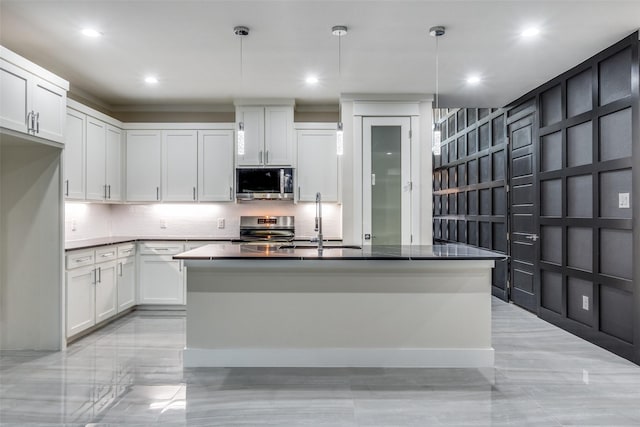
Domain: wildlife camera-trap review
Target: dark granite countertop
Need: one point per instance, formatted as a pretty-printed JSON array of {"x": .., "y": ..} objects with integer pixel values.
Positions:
[
  {"x": 116, "y": 240},
  {"x": 304, "y": 252}
]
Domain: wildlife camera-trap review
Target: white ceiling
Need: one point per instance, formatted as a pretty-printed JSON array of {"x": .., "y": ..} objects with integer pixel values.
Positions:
[{"x": 191, "y": 47}]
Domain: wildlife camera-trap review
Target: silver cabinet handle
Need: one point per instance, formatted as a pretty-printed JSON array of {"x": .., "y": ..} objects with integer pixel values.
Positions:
[
  {"x": 266, "y": 157},
  {"x": 194, "y": 193},
  {"x": 108, "y": 254},
  {"x": 230, "y": 193},
  {"x": 533, "y": 237},
  {"x": 66, "y": 192},
  {"x": 87, "y": 258},
  {"x": 95, "y": 276},
  {"x": 298, "y": 193},
  {"x": 157, "y": 193},
  {"x": 109, "y": 187},
  {"x": 37, "y": 122},
  {"x": 29, "y": 121},
  {"x": 127, "y": 251},
  {"x": 260, "y": 156},
  {"x": 104, "y": 187},
  {"x": 120, "y": 264},
  {"x": 162, "y": 249},
  {"x": 100, "y": 274}
]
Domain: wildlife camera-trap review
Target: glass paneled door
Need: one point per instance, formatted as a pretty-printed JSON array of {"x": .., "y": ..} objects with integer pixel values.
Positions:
[{"x": 386, "y": 181}]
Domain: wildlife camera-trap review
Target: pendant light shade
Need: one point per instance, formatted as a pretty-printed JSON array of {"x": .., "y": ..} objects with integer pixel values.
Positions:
[
  {"x": 339, "y": 31},
  {"x": 241, "y": 139},
  {"x": 241, "y": 31},
  {"x": 437, "y": 32}
]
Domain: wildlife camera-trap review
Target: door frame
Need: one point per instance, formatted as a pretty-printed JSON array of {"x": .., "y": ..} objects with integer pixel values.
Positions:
[
  {"x": 530, "y": 112},
  {"x": 405, "y": 172}
]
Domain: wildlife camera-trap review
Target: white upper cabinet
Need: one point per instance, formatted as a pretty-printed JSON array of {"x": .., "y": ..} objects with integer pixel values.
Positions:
[
  {"x": 268, "y": 136},
  {"x": 92, "y": 155},
  {"x": 96, "y": 147},
  {"x": 278, "y": 138},
  {"x": 317, "y": 165},
  {"x": 74, "y": 156},
  {"x": 33, "y": 100},
  {"x": 215, "y": 165},
  {"x": 180, "y": 165},
  {"x": 144, "y": 154},
  {"x": 113, "y": 164}
]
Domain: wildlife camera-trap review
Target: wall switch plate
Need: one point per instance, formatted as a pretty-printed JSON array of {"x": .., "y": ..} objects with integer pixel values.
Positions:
[
  {"x": 163, "y": 223},
  {"x": 220, "y": 222},
  {"x": 585, "y": 302},
  {"x": 624, "y": 201}
]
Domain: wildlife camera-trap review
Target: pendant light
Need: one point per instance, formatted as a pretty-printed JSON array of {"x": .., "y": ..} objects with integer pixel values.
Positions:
[
  {"x": 339, "y": 31},
  {"x": 437, "y": 32},
  {"x": 241, "y": 31}
]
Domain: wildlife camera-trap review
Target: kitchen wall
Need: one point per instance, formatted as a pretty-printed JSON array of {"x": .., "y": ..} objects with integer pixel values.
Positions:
[{"x": 190, "y": 220}]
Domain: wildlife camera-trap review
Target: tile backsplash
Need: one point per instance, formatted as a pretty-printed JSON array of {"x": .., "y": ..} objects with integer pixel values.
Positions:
[{"x": 191, "y": 220}]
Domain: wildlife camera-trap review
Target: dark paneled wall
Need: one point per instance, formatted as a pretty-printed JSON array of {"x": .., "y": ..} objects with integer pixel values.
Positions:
[
  {"x": 588, "y": 127},
  {"x": 469, "y": 183},
  {"x": 587, "y": 160}
]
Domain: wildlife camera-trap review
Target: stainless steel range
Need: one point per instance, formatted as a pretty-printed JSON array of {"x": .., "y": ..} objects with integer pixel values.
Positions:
[{"x": 264, "y": 229}]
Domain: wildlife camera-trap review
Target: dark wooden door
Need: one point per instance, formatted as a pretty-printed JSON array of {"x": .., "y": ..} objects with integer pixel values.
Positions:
[{"x": 523, "y": 238}]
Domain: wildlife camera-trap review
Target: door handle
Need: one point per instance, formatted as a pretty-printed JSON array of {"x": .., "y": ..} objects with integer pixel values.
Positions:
[
  {"x": 66, "y": 192},
  {"x": 266, "y": 157},
  {"x": 373, "y": 179},
  {"x": 230, "y": 193},
  {"x": 100, "y": 274},
  {"x": 157, "y": 193},
  {"x": 29, "y": 121},
  {"x": 37, "y": 122},
  {"x": 194, "y": 193},
  {"x": 109, "y": 188},
  {"x": 260, "y": 156},
  {"x": 533, "y": 237}
]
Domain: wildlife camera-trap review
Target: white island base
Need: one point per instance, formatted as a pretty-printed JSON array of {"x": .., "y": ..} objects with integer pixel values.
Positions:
[{"x": 338, "y": 313}]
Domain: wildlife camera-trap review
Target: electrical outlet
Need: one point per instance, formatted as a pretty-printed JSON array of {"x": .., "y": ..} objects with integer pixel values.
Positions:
[
  {"x": 624, "y": 201},
  {"x": 585, "y": 302},
  {"x": 163, "y": 223},
  {"x": 220, "y": 222}
]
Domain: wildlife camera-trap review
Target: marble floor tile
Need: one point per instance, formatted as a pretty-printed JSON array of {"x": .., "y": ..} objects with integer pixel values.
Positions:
[{"x": 130, "y": 373}]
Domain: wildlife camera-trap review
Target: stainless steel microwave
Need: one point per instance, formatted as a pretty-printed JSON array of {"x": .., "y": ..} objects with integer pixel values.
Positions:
[{"x": 264, "y": 184}]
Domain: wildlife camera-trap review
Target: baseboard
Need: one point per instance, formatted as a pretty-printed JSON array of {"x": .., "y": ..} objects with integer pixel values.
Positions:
[{"x": 340, "y": 357}]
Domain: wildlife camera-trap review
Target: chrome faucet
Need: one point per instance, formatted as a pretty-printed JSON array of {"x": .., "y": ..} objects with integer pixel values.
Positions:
[{"x": 318, "y": 227}]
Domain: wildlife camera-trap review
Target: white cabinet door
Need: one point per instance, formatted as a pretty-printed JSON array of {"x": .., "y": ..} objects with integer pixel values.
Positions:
[
  {"x": 278, "y": 138},
  {"x": 80, "y": 299},
  {"x": 253, "y": 120},
  {"x": 180, "y": 161},
  {"x": 126, "y": 281},
  {"x": 106, "y": 291},
  {"x": 74, "y": 158},
  {"x": 161, "y": 280},
  {"x": 113, "y": 164},
  {"x": 317, "y": 165},
  {"x": 215, "y": 165},
  {"x": 96, "y": 146},
  {"x": 49, "y": 103},
  {"x": 13, "y": 99},
  {"x": 143, "y": 165}
]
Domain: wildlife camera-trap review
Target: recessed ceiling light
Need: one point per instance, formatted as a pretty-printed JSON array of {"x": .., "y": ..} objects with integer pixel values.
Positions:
[
  {"x": 90, "y": 32},
  {"x": 311, "y": 80},
  {"x": 473, "y": 80},
  {"x": 151, "y": 80},
  {"x": 530, "y": 32}
]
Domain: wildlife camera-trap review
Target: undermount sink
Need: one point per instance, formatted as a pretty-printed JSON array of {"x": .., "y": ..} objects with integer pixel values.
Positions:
[{"x": 311, "y": 246}]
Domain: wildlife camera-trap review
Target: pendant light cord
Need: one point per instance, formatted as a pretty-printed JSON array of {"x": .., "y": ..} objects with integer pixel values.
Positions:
[{"x": 437, "y": 74}]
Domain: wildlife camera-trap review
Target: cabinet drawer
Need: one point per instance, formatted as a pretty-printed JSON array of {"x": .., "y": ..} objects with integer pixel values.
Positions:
[
  {"x": 107, "y": 253},
  {"x": 128, "y": 249},
  {"x": 80, "y": 259},
  {"x": 161, "y": 248}
]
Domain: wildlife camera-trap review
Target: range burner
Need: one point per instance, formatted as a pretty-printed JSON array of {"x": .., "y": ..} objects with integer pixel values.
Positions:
[{"x": 264, "y": 229}]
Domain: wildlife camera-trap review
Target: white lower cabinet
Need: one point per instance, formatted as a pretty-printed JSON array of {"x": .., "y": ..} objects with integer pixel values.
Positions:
[
  {"x": 81, "y": 298},
  {"x": 161, "y": 277},
  {"x": 106, "y": 291},
  {"x": 126, "y": 281},
  {"x": 99, "y": 285}
]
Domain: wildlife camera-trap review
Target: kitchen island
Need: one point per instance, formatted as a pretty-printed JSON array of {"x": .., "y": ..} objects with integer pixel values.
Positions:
[{"x": 380, "y": 306}]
